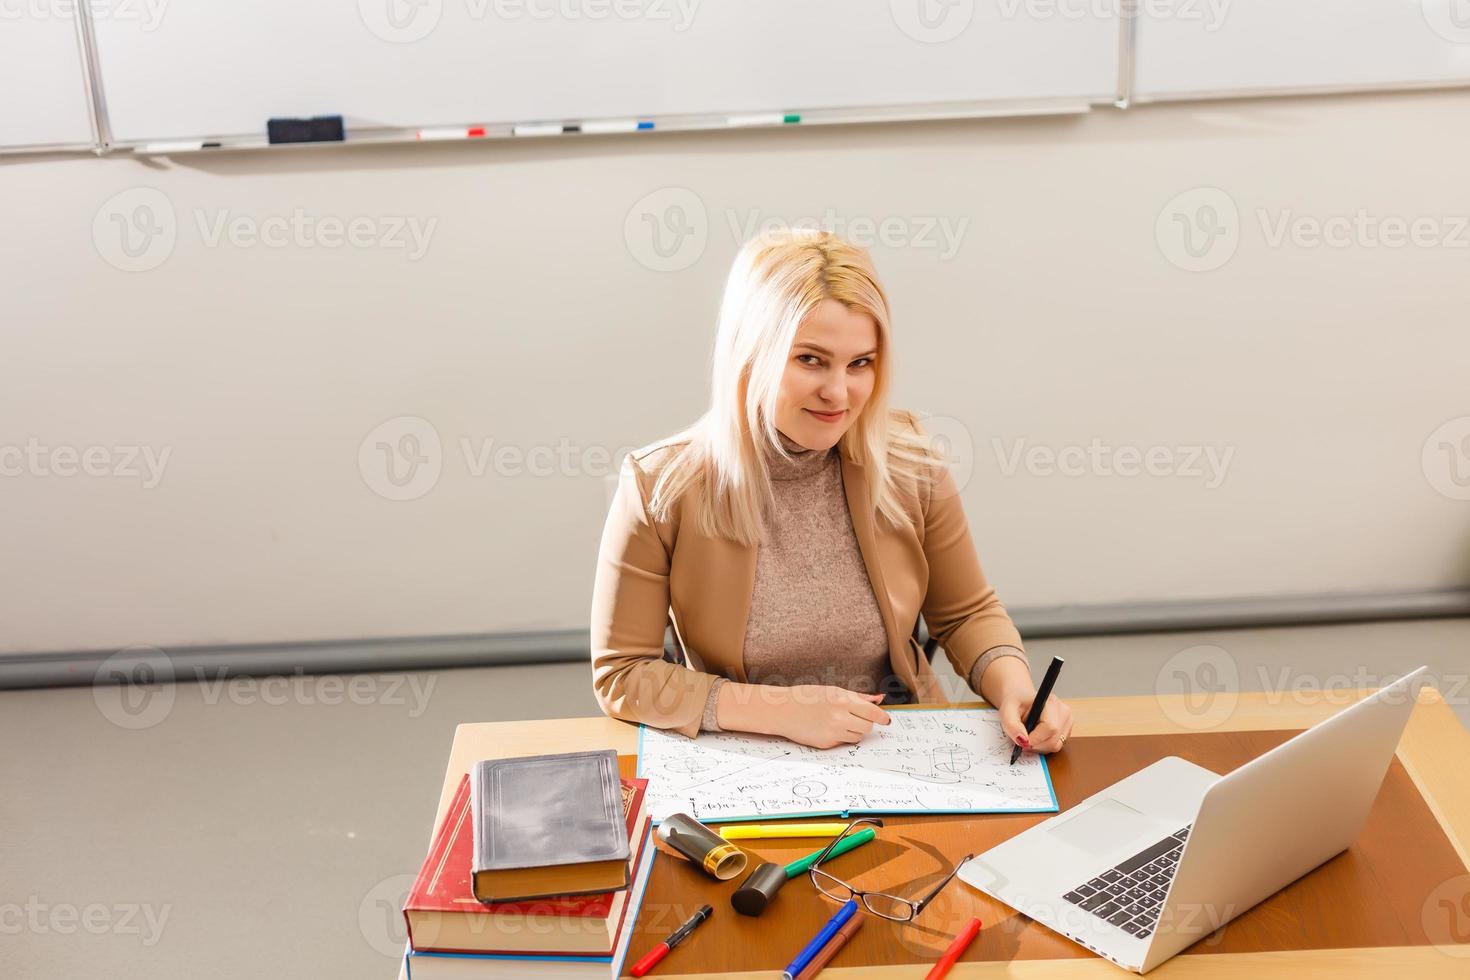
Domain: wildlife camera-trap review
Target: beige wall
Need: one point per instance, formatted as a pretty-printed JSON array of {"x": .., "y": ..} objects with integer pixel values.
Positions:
[{"x": 533, "y": 318}]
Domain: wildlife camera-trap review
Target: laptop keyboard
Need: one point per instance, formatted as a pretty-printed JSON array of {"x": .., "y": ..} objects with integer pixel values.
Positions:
[{"x": 1130, "y": 895}]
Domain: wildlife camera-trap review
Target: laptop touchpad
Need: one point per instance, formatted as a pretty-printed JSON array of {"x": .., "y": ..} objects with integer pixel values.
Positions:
[{"x": 1102, "y": 826}]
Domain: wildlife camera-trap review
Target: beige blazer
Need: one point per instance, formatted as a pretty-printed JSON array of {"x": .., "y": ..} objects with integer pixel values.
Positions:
[{"x": 650, "y": 574}]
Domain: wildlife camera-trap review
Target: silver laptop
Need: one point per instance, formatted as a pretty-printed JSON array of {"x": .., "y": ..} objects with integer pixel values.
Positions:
[{"x": 1165, "y": 857}]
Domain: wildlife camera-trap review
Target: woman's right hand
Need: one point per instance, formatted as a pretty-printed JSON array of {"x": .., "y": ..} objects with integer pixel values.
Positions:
[{"x": 823, "y": 717}]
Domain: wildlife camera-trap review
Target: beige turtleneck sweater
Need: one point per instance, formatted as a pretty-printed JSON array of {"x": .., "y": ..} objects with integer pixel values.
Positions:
[{"x": 813, "y": 616}]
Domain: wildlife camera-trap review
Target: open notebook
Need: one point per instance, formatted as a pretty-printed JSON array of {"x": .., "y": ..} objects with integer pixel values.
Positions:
[{"x": 930, "y": 760}]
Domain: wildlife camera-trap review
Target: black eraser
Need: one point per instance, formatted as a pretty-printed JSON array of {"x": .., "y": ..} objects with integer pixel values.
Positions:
[
  {"x": 759, "y": 890},
  {"x": 318, "y": 129}
]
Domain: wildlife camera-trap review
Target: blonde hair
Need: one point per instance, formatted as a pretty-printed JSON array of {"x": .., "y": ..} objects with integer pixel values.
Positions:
[{"x": 774, "y": 284}]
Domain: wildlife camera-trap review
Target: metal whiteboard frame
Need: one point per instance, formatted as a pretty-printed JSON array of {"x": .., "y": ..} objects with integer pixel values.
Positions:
[
  {"x": 704, "y": 122},
  {"x": 104, "y": 143},
  {"x": 92, "y": 82},
  {"x": 1127, "y": 52},
  {"x": 1311, "y": 91},
  {"x": 1130, "y": 14},
  {"x": 1125, "y": 97},
  {"x": 92, "y": 70}
]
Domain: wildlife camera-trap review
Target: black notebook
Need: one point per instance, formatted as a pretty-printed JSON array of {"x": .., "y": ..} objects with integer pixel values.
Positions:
[{"x": 548, "y": 825}]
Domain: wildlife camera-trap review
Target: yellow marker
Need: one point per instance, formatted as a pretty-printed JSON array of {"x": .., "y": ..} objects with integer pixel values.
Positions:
[{"x": 783, "y": 830}]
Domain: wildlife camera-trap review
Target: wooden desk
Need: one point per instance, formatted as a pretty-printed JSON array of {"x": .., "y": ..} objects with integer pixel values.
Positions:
[{"x": 1397, "y": 902}]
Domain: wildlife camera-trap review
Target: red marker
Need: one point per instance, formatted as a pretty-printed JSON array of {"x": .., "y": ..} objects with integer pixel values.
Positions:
[
  {"x": 453, "y": 133},
  {"x": 679, "y": 935},
  {"x": 955, "y": 951}
]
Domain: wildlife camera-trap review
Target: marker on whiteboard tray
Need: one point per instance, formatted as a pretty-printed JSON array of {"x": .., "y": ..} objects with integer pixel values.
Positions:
[
  {"x": 765, "y": 119},
  {"x": 318, "y": 129},
  {"x": 599, "y": 126},
  {"x": 544, "y": 129},
  {"x": 452, "y": 133},
  {"x": 178, "y": 146}
]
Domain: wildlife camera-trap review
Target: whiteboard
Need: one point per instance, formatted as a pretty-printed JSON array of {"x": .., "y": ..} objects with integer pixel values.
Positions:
[
  {"x": 45, "y": 100},
  {"x": 1194, "y": 48},
  {"x": 214, "y": 69}
]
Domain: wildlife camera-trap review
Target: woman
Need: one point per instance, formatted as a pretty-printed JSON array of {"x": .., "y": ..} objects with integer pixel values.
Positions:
[{"x": 794, "y": 533}]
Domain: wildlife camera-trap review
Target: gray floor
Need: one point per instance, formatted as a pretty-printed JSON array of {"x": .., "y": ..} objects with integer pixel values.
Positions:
[{"x": 240, "y": 830}]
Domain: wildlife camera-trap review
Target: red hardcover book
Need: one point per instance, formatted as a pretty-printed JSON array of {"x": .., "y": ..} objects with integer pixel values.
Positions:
[{"x": 444, "y": 916}]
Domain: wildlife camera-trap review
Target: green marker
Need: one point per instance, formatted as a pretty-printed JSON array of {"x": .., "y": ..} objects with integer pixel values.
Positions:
[
  {"x": 765, "y": 119},
  {"x": 843, "y": 846}
]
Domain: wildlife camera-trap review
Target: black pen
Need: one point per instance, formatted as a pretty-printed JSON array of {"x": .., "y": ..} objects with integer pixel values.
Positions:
[
  {"x": 1033, "y": 717},
  {"x": 679, "y": 935}
]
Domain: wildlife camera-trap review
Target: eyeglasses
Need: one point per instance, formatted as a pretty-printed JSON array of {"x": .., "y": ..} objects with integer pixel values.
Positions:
[{"x": 881, "y": 904}]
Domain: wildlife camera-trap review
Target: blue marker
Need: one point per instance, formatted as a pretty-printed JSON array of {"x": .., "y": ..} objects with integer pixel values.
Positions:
[
  {"x": 597, "y": 126},
  {"x": 810, "y": 950}
]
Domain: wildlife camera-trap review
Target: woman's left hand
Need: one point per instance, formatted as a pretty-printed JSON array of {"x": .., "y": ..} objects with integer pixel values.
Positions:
[{"x": 1012, "y": 692}]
